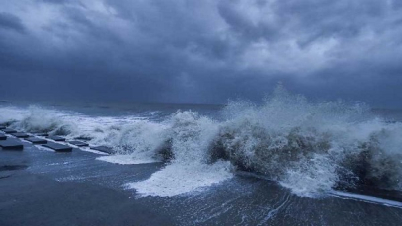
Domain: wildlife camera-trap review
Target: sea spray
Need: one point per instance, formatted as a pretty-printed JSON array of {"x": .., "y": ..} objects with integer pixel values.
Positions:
[
  {"x": 190, "y": 137},
  {"x": 44, "y": 120},
  {"x": 311, "y": 148},
  {"x": 308, "y": 147}
]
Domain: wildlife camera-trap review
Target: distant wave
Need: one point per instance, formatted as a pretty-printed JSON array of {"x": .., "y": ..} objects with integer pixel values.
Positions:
[{"x": 310, "y": 148}]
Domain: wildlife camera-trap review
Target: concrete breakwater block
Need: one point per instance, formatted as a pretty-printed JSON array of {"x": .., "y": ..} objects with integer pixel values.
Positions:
[
  {"x": 36, "y": 140},
  {"x": 57, "y": 138},
  {"x": 11, "y": 145},
  {"x": 6, "y": 130},
  {"x": 20, "y": 135},
  {"x": 58, "y": 147},
  {"x": 78, "y": 143},
  {"x": 104, "y": 149},
  {"x": 3, "y": 137},
  {"x": 83, "y": 138}
]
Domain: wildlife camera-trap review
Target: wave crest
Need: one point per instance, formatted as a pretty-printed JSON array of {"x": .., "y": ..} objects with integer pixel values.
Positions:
[{"x": 310, "y": 148}]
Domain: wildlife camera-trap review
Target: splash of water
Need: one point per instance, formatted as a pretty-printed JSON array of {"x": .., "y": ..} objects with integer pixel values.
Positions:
[{"x": 308, "y": 147}]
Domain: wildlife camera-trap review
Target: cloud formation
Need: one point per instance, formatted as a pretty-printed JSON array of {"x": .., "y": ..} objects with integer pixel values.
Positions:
[
  {"x": 9, "y": 21},
  {"x": 201, "y": 51}
]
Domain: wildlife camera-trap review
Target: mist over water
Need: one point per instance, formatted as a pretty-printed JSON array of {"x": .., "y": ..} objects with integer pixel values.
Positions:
[{"x": 308, "y": 147}]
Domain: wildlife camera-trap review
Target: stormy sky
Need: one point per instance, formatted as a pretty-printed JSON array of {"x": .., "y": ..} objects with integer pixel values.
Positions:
[{"x": 201, "y": 51}]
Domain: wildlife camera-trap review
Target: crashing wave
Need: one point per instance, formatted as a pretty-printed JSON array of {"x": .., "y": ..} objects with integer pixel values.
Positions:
[{"x": 310, "y": 148}]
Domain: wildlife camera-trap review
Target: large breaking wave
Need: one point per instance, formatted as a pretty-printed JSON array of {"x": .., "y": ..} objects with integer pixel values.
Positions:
[{"x": 310, "y": 148}]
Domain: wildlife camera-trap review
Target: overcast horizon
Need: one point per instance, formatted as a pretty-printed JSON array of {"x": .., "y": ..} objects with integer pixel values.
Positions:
[{"x": 200, "y": 51}]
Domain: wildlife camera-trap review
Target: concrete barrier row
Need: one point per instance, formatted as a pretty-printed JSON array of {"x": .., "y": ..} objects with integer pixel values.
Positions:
[{"x": 52, "y": 142}]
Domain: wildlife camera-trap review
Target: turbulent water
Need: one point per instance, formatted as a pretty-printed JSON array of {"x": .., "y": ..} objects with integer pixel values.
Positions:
[{"x": 308, "y": 147}]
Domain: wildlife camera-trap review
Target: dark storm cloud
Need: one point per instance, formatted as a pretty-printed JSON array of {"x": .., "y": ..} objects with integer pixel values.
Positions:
[
  {"x": 201, "y": 51},
  {"x": 56, "y": 1},
  {"x": 10, "y": 21}
]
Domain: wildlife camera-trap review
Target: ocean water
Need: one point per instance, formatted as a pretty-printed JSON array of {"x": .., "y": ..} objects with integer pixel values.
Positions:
[{"x": 312, "y": 149}]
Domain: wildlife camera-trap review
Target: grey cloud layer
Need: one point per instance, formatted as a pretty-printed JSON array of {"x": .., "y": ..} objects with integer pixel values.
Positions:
[
  {"x": 201, "y": 51},
  {"x": 9, "y": 21}
]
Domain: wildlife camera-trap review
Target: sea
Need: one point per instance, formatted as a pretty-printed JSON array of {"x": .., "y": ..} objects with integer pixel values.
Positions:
[{"x": 286, "y": 160}]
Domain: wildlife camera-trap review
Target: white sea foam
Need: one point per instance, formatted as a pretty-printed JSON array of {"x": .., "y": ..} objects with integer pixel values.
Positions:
[
  {"x": 178, "y": 179},
  {"x": 312, "y": 178},
  {"x": 44, "y": 148},
  {"x": 10, "y": 114},
  {"x": 127, "y": 159},
  {"x": 365, "y": 198}
]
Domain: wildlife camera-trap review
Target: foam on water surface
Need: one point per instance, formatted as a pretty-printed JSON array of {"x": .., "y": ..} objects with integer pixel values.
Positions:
[
  {"x": 127, "y": 159},
  {"x": 178, "y": 179},
  {"x": 365, "y": 198},
  {"x": 40, "y": 147}
]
